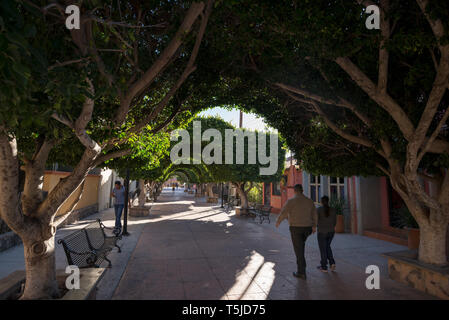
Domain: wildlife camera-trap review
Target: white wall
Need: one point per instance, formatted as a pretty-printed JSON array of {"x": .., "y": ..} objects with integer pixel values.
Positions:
[
  {"x": 108, "y": 178},
  {"x": 104, "y": 189}
]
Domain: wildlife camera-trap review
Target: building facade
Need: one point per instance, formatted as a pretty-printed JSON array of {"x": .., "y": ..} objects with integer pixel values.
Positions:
[{"x": 370, "y": 202}]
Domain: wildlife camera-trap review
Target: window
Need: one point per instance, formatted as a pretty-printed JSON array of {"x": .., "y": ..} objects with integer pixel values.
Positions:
[
  {"x": 276, "y": 188},
  {"x": 337, "y": 187},
  {"x": 315, "y": 188}
]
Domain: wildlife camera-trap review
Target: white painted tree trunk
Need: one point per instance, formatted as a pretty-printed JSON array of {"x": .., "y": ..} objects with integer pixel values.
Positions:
[
  {"x": 40, "y": 270},
  {"x": 243, "y": 195},
  {"x": 432, "y": 223},
  {"x": 210, "y": 192},
  {"x": 142, "y": 194},
  {"x": 432, "y": 243}
]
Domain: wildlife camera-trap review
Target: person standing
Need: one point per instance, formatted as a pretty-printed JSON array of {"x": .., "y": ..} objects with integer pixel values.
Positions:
[
  {"x": 302, "y": 218},
  {"x": 118, "y": 193},
  {"x": 327, "y": 219}
]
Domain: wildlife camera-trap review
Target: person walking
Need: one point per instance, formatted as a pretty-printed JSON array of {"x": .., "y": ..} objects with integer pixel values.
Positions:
[
  {"x": 327, "y": 219},
  {"x": 118, "y": 193},
  {"x": 302, "y": 218}
]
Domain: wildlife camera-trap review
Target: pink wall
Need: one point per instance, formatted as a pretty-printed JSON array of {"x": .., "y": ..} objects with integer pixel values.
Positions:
[{"x": 293, "y": 177}]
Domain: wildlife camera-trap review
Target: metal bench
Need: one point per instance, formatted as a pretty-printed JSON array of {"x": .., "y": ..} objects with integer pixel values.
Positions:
[
  {"x": 261, "y": 211},
  {"x": 230, "y": 204},
  {"x": 89, "y": 247}
]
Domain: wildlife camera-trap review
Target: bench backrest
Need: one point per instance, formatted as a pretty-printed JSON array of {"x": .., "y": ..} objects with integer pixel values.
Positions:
[
  {"x": 266, "y": 208},
  {"x": 95, "y": 234},
  {"x": 77, "y": 242},
  {"x": 78, "y": 245}
]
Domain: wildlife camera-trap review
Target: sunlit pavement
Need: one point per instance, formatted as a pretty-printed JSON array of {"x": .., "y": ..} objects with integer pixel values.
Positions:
[{"x": 188, "y": 249}]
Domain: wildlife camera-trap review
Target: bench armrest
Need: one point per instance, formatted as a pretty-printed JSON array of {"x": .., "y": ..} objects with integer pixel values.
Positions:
[{"x": 103, "y": 226}]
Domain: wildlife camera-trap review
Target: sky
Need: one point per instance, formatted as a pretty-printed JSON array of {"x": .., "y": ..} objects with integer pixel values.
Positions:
[{"x": 250, "y": 120}]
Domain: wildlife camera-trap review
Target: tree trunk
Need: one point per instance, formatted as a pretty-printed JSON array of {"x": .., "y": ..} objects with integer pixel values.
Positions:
[
  {"x": 243, "y": 196},
  {"x": 142, "y": 194},
  {"x": 210, "y": 192},
  {"x": 40, "y": 267},
  {"x": 432, "y": 244}
]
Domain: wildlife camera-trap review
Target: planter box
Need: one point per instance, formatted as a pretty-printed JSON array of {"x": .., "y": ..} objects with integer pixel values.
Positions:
[
  {"x": 139, "y": 211},
  {"x": 340, "y": 226},
  {"x": 404, "y": 267},
  {"x": 12, "y": 285},
  {"x": 413, "y": 238},
  {"x": 241, "y": 211},
  {"x": 212, "y": 200}
]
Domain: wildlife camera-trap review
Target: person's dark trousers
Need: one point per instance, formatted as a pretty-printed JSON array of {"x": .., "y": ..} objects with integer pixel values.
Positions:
[
  {"x": 324, "y": 242},
  {"x": 118, "y": 208},
  {"x": 299, "y": 236}
]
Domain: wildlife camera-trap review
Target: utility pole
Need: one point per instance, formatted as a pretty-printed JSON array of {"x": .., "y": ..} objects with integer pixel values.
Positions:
[
  {"x": 222, "y": 193},
  {"x": 241, "y": 119},
  {"x": 125, "y": 210}
]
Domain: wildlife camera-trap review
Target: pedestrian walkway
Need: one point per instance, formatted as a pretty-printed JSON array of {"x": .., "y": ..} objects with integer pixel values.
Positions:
[{"x": 188, "y": 249}]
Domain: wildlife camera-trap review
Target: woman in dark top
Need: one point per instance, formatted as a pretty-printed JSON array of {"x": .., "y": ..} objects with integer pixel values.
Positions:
[{"x": 327, "y": 219}]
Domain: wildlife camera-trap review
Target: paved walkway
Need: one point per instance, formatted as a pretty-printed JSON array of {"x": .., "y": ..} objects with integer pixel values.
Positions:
[{"x": 188, "y": 249}]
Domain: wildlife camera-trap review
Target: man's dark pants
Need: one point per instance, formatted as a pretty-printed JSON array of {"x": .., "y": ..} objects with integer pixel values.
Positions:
[{"x": 299, "y": 236}]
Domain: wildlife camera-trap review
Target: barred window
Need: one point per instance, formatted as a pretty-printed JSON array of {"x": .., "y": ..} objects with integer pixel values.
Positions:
[
  {"x": 337, "y": 187},
  {"x": 315, "y": 188}
]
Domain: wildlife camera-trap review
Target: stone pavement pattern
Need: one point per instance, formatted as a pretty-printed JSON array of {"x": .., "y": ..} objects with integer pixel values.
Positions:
[{"x": 188, "y": 249}]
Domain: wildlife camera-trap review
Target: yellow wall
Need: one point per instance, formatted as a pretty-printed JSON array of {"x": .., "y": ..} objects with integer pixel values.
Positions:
[{"x": 90, "y": 191}]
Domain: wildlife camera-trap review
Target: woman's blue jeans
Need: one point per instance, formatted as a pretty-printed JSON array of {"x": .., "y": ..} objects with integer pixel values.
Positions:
[{"x": 324, "y": 242}]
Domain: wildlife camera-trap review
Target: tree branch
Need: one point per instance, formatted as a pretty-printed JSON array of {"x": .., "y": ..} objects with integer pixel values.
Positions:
[
  {"x": 81, "y": 122},
  {"x": 436, "y": 25},
  {"x": 75, "y": 201},
  {"x": 149, "y": 75},
  {"x": 434, "y": 135},
  {"x": 9, "y": 183},
  {"x": 383, "y": 52},
  {"x": 34, "y": 178},
  {"x": 65, "y": 63},
  {"x": 381, "y": 98},
  {"x": 67, "y": 185},
  {"x": 341, "y": 103},
  {"x": 337, "y": 130},
  {"x": 187, "y": 71},
  {"x": 112, "y": 155}
]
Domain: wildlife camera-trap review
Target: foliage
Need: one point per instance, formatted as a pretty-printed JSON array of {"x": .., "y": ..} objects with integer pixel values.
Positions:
[
  {"x": 229, "y": 172},
  {"x": 296, "y": 43},
  {"x": 339, "y": 204},
  {"x": 256, "y": 193},
  {"x": 403, "y": 218}
]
